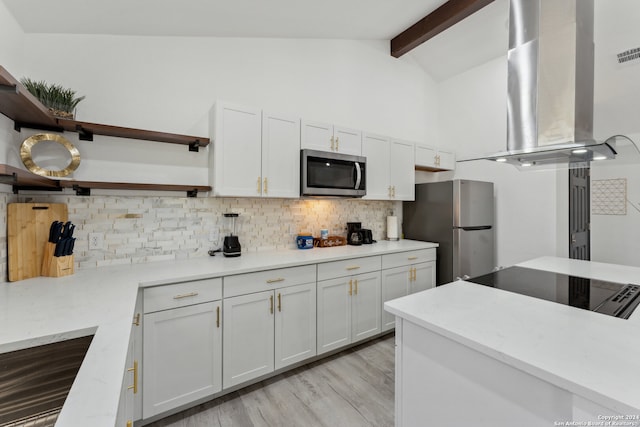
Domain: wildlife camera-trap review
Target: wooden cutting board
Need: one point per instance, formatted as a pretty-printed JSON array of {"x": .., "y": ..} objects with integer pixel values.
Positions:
[{"x": 27, "y": 232}]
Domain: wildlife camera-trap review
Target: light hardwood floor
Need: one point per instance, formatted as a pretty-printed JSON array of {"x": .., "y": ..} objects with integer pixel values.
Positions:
[{"x": 353, "y": 388}]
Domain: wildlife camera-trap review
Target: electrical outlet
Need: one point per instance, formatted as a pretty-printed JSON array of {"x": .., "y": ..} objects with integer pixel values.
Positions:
[{"x": 96, "y": 241}]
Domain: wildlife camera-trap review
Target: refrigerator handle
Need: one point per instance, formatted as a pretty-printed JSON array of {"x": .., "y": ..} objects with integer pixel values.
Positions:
[{"x": 479, "y": 227}]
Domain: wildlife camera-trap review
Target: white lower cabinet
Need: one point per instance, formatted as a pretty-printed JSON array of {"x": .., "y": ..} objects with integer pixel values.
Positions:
[
  {"x": 248, "y": 337},
  {"x": 268, "y": 330},
  {"x": 348, "y": 310},
  {"x": 182, "y": 351},
  {"x": 403, "y": 274}
]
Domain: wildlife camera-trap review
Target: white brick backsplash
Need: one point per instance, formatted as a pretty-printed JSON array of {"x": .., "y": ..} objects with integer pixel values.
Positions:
[{"x": 177, "y": 228}]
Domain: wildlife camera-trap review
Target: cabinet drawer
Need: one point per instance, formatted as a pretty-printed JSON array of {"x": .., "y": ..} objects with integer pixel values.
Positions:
[
  {"x": 242, "y": 284},
  {"x": 405, "y": 258},
  {"x": 181, "y": 294},
  {"x": 331, "y": 270}
]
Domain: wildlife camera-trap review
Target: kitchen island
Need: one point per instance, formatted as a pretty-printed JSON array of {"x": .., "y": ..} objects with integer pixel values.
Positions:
[
  {"x": 474, "y": 355},
  {"x": 102, "y": 302}
]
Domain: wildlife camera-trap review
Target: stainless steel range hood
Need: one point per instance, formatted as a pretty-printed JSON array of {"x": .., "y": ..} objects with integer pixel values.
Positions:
[{"x": 550, "y": 88}]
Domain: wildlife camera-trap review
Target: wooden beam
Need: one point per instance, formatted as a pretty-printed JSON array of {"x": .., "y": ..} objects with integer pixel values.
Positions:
[{"x": 433, "y": 24}]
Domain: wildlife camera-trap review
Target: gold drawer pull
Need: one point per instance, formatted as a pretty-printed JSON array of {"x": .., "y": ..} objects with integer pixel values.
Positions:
[
  {"x": 136, "y": 319},
  {"x": 190, "y": 294},
  {"x": 135, "y": 377},
  {"x": 356, "y": 283},
  {"x": 279, "y": 279},
  {"x": 353, "y": 267},
  {"x": 279, "y": 302},
  {"x": 350, "y": 287},
  {"x": 411, "y": 258},
  {"x": 271, "y": 304}
]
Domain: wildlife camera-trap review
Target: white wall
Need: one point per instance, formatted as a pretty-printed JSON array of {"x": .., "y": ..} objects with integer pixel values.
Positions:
[{"x": 473, "y": 119}]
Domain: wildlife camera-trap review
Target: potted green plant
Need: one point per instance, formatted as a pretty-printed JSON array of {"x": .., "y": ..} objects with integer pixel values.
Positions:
[{"x": 60, "y": 101}]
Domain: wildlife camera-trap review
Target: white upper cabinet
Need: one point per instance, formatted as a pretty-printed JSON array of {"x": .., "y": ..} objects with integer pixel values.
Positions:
[
  {"x": 327, "y": 137},
  {"x": 401, "y": 173},
  {"x": 434, "y": 159},
  {"x": 390, "y": 168},
  {"x": 236, "y": 157},
  {"x": 376, "y": 149},
  {"x": 280, "y": 156},
  {"x": 250, "y": 149}
]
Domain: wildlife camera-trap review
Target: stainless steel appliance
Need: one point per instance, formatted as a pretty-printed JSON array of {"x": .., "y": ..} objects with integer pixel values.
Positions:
[
  {"x": 354, "y": 233},
  {"x": 612, "y": 299},
  {"x": 332, "y": 174},
  {"x": 458, "y": 215}
]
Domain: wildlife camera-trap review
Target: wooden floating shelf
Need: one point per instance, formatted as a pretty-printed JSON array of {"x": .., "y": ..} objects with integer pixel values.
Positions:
[
  {"x": 26, "y": 111},
  {"x": 24, "y": 180}
]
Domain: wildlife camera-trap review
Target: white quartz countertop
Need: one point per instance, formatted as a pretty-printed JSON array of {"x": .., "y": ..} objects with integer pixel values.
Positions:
[
  {"x": 589, "y": 354},
  {"x": 102, "y": 302}
]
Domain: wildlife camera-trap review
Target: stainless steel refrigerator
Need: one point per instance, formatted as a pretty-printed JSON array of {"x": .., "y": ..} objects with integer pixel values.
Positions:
[{"x": 459, "y": 215}]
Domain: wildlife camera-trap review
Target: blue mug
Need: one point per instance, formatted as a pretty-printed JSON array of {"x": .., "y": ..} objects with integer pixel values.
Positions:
[{"x": 304, "y": 242}]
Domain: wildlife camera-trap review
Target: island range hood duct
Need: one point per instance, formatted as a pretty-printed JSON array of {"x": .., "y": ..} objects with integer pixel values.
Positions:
[{"x": 550, "y": 87}]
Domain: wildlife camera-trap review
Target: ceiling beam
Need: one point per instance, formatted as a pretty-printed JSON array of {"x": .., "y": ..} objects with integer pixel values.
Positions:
[{"x": 434, "y": 23}]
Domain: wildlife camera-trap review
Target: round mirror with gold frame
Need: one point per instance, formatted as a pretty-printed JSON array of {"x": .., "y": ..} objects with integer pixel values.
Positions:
[{"x": 27, "y": 156}]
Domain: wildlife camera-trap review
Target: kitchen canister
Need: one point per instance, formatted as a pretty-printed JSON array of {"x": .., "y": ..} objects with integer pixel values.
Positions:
[{"x": 304, "y": 242}]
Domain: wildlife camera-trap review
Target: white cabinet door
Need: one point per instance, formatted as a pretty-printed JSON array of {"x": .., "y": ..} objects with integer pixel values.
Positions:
[
  {"x": 347, "y": 141},
  {"x": 317, "y": 136},
  {"x": 402, "y": 170},
  {"x": 376, "y": 149},
  {"x": 425, "y": 156},
  {"x": 248, "y": 337},
  {"x": 446, "y": 160},
  {"x": 280, "y": 156},
  {"x": 295, "y": 324},
  {"x": 125, "y": 414},
  {"x": 395, "y": 283},
  {"x": 137, "y": 357},
  {"x": 182, "y": 349},
  {"x": 424, "y": 277},
  {"x": 236, "y": 156},
  {"x": 334, "y": 314},
  {"x": 365, "y": 309}
]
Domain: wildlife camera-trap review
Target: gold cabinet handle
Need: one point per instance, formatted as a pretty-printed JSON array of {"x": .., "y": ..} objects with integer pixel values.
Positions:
[
  {"x": 129, "y": 423},
  {"x": 337, "y": 143},
  {"x": 389, "y": 191},
  {"x": 190, "y": 294},
  {"x": 265, "y": 188},
  {"x": 415, "y": 274},
  {"x": 279, "y": 302},
  {"x": 271, "y": 303},
  {"x": 332, "y": 144},
  {"x": 356, "y": 288},
  {"x": 350, "y": 287},
  {"x": 136, "y": 319},
  {"x": 411, "y": 258},
  {"x": 134, "y": 387},
  {"x": 394, "y": 191},
  {"x": 279, "y": 279},
  {"x": 259, "y": 186},
  {"x": 217, "y": 316},
  {"x": 353, "y": 267}
]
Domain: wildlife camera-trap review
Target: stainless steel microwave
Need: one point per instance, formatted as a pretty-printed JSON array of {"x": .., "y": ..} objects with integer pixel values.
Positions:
[{"x": 332, "y": 174}]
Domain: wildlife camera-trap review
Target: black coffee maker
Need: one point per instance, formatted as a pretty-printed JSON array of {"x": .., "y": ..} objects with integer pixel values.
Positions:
[{"x": 354, "y": 233}]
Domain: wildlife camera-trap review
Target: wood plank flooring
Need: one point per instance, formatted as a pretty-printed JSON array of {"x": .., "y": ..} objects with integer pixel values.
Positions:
[{"x": 354, "y": 388}]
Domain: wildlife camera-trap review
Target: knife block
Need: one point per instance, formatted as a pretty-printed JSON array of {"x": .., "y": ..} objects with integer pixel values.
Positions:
[{"x": 56, "y": 266}]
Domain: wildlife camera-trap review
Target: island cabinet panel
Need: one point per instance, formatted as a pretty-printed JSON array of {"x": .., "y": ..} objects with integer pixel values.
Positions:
[
  {"x": 248, "y": 343},
  {"x": 182, "y": 356},
  {"x": 395, "y": 282},
  {"x": 436, "y": 377}
]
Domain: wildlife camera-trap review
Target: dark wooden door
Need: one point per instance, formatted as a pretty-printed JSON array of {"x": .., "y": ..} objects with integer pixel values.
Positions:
[{"x": 579, "y": 214}]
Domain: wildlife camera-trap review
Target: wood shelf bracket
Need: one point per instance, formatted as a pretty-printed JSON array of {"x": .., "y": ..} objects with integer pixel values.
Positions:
[
  {"x": 192, "y": 193},
  {"x": 81, "y": 191},
  {"x": 9, "y": 88},
  {"x": 84, "y": 134},
  {"x": 195, "y": 146}
]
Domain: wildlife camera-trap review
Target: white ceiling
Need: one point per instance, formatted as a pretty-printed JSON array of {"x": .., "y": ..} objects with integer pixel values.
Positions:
[
  {"x": 477, "y": 39},
  {"x": 334, "y": 19}
]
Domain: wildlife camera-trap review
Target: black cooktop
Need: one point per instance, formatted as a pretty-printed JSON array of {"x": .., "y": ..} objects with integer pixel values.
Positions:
[{"x": 613, "y": 299}]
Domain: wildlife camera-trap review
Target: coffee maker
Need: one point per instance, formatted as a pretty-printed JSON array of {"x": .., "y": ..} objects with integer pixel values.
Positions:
[
  {"x": 354, "y": 233},
  {"x": 231, "y": 246}
]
